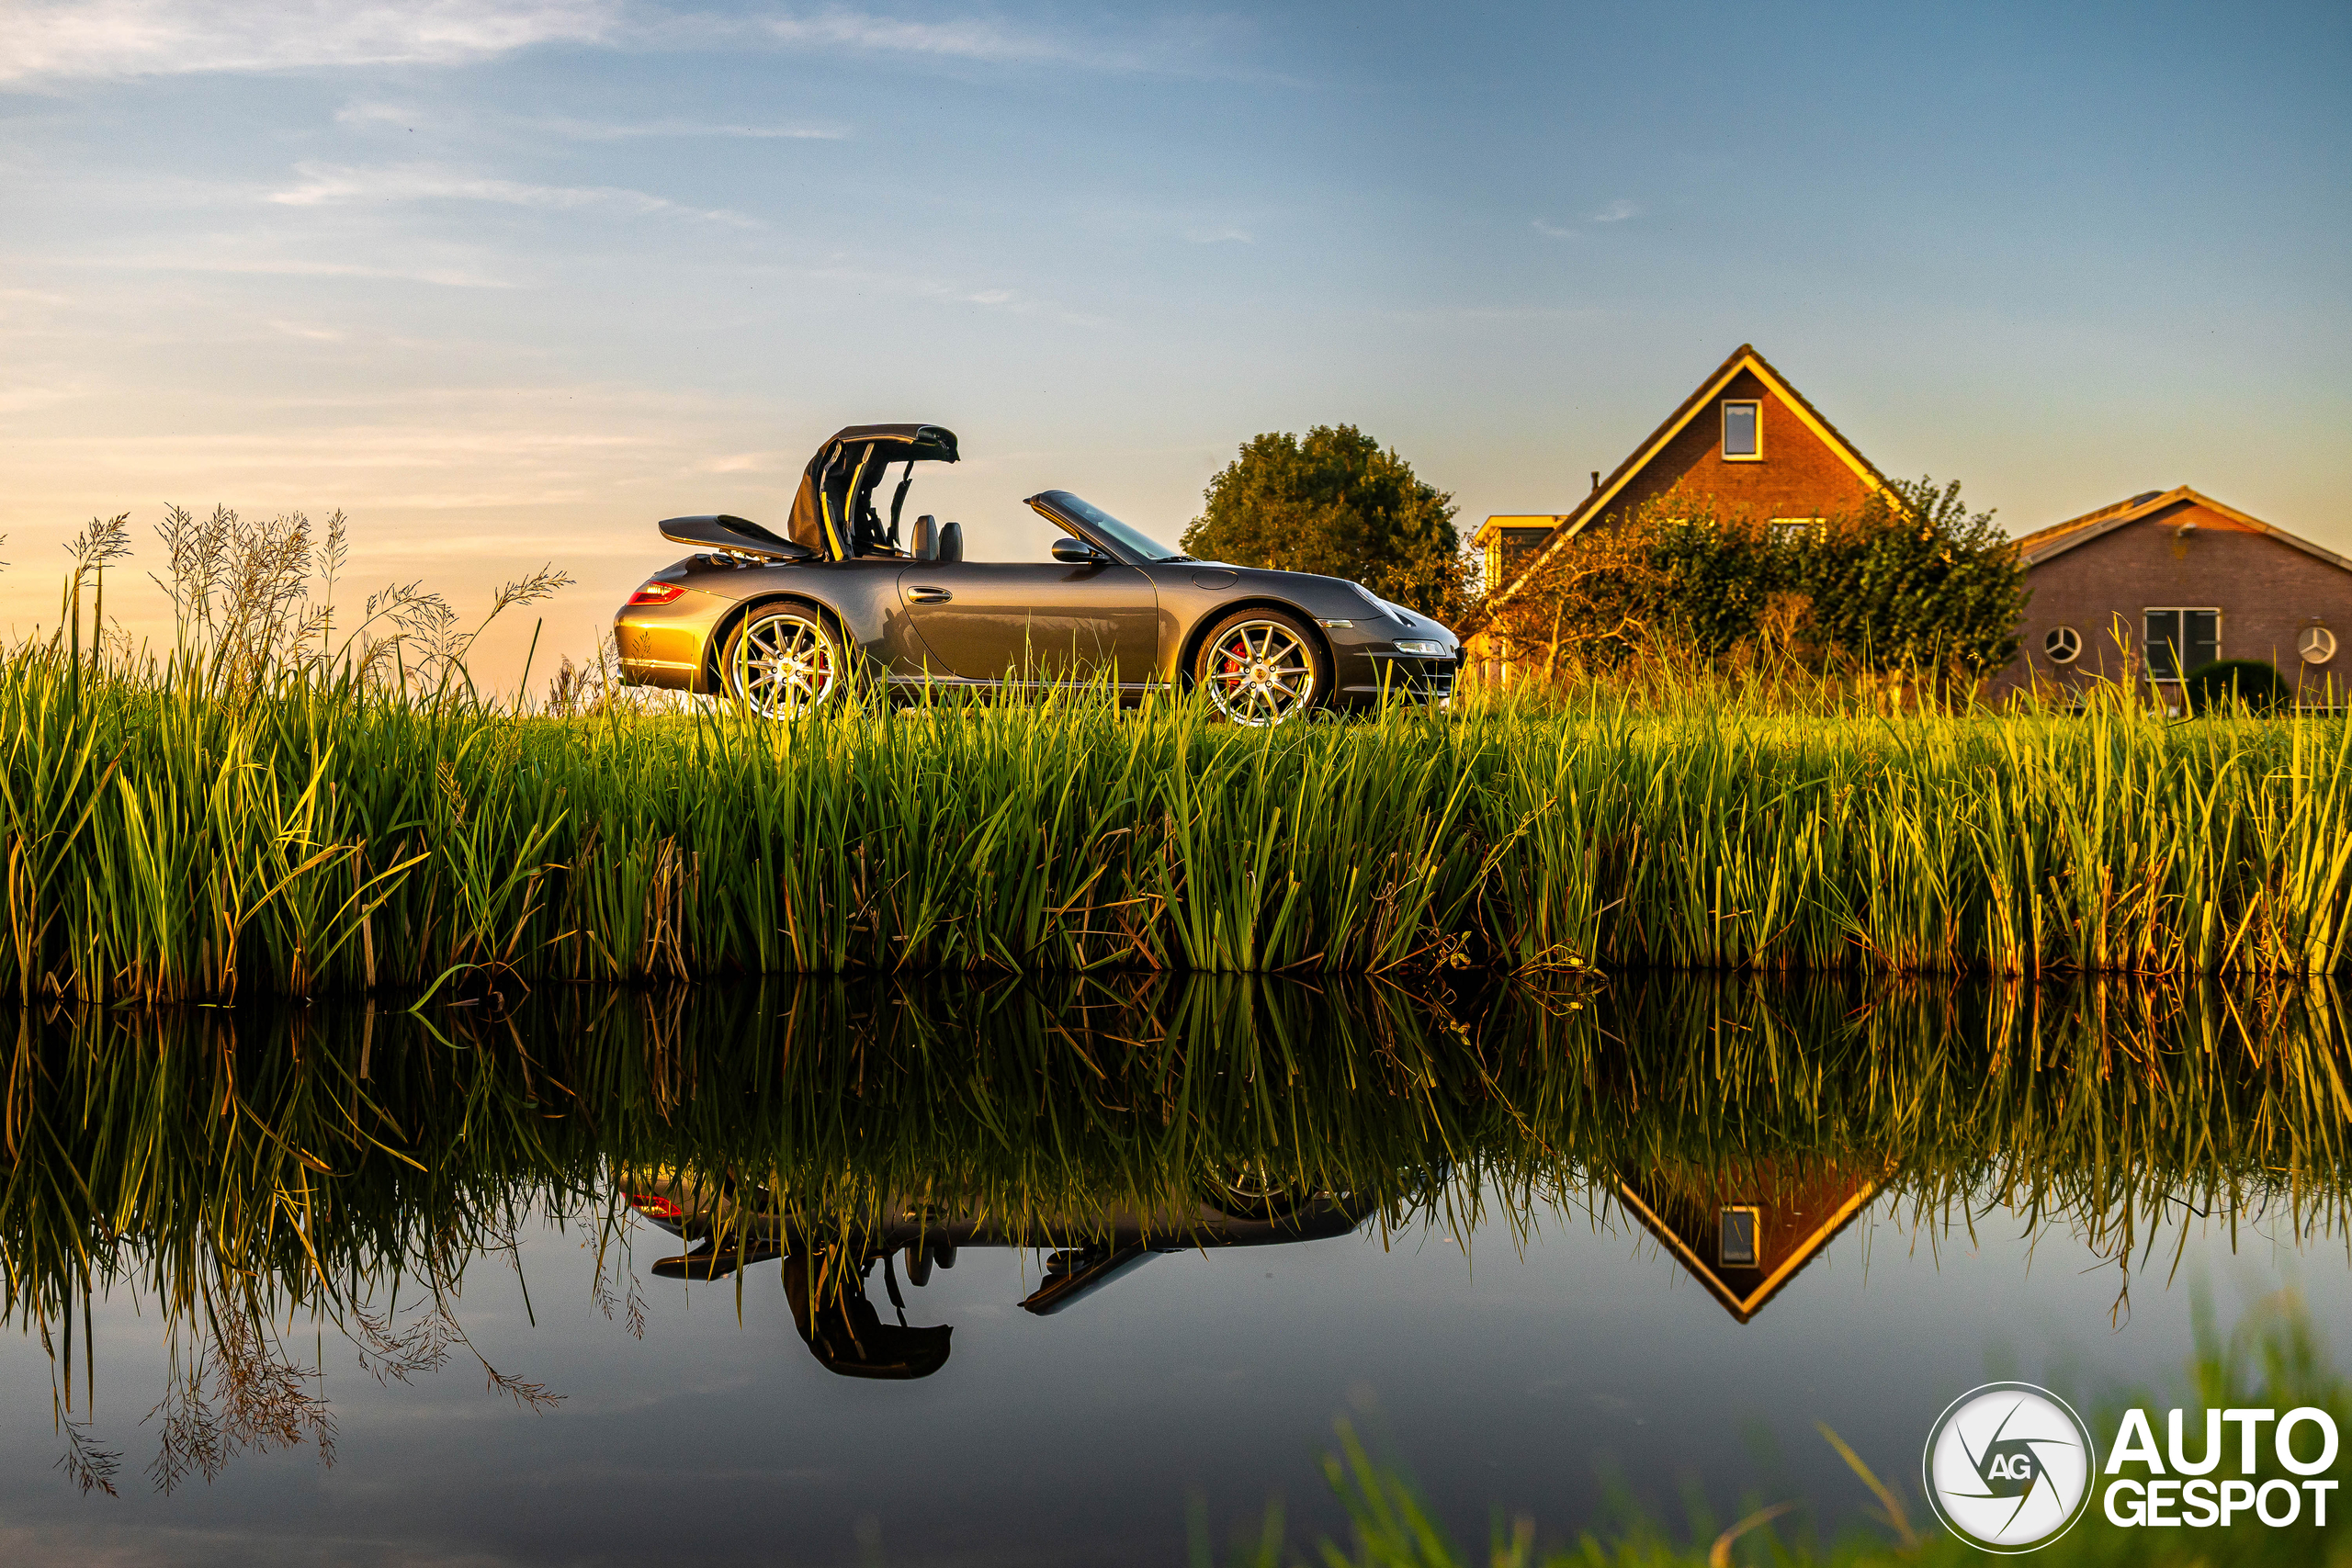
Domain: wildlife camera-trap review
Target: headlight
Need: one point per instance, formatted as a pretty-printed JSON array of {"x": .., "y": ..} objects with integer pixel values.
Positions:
[{"x": 1420, "y": 647}]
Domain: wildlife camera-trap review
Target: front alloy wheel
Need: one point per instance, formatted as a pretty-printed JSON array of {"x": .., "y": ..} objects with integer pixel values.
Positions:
[
  {"x": 1259, "y": 669},
  {"x": 783, "y": 661}
]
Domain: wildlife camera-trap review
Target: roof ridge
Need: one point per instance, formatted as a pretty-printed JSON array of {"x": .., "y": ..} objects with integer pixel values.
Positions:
[{"x": 2044, "y": 544}]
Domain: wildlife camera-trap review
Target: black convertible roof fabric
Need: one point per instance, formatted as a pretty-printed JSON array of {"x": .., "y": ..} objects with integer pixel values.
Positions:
[{"x": 841, "y": 478}]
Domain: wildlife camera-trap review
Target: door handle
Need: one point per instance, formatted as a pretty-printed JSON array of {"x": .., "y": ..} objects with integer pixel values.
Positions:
[{"x": 928, "y": 596}]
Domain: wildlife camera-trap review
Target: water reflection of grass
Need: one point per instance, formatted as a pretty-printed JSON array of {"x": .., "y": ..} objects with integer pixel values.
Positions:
[
  {"x": 245, "y": 1168},
  {"x": 2273, "y": 1359},
  {"x": 173, "y": 840}
]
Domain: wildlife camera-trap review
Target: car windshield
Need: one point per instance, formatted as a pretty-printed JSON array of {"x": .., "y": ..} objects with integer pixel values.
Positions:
[{"x": 1135, "y": 542}]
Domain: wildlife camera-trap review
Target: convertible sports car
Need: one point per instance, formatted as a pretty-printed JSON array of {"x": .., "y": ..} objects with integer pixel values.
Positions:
[
  {"x": 783, "y": 623},
  {"x": 826, "y": 1268}
]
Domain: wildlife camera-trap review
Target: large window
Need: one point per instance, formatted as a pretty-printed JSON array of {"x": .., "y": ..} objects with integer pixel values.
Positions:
[
  {"x": 2182, "y": 640},
  {"x": 1743, "y": 432}
]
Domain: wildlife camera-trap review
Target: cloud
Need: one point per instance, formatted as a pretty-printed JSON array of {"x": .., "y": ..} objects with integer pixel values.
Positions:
[
  {"x": 967, "y": 38},
  {"x": 1184, "y": 45},
  {"x": 64, "y": 39},
  {"x": 325, "y": 185},
  {"x": 1615, "y": 212},
  {"x": 1220, "y": 236},
  {"x": 67, "y": 38},
  {"x": 266, "y": 265},
  {"x": 360, "y": 111},
  {"x": 587, "y": 131},
  {"x": 365, "y": 112}
]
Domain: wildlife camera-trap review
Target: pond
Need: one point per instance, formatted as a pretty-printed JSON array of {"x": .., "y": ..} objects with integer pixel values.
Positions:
[{"x": 1059, "y": 1270}]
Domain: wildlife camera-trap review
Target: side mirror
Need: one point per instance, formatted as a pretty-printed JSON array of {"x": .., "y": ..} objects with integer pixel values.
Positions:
[{"x": 1078, "y": 552}]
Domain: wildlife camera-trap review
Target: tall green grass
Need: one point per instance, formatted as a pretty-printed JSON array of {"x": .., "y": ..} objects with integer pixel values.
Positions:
[{"x": 171, "y": 840}]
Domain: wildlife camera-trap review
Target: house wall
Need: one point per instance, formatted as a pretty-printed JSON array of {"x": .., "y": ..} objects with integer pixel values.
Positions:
[
  {"x": 2268, "y": 592},
  {"x": 1799, "y": 475}
]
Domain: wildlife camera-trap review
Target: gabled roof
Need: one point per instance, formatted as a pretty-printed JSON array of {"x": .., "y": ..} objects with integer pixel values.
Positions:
[
  {"x": 2045, "y": 544},
  {"x": 1744, "y": 358},
  {"x": 1743, "y": 1292}
]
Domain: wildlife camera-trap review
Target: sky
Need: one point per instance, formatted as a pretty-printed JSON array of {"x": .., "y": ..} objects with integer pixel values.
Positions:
[{"x": 508, "y": 280}]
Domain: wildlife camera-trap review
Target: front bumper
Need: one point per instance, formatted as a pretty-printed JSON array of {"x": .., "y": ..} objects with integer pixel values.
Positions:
[{"x": 1398, "y": 677}]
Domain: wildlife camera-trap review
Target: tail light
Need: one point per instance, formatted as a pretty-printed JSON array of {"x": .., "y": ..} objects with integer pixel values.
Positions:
[{"x": 657, "y": 593}]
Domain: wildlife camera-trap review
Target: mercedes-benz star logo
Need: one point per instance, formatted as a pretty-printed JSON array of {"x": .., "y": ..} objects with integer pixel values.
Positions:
[{"x": 2009, "y": 1467}]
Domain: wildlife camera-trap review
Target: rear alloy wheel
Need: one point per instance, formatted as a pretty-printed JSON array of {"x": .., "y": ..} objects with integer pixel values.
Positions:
[
  {"x": 1260, "y": 666},
  {"x": 782, "y": 661}
]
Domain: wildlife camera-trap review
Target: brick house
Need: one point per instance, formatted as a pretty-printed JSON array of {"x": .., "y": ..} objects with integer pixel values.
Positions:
[
  {"x": 2153, "y": 587},
  {"x": 1746, "y": 442},
  {"x": 1745, "y": 1232}
]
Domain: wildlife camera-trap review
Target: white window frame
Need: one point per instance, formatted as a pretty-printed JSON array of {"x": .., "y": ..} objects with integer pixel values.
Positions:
[
  {"x": 1723, "y": 441},
  {"x": 2147, "y": 656}
]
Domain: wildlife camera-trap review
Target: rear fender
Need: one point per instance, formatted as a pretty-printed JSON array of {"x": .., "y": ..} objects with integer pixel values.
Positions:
[{"x": 743, "y": 612}]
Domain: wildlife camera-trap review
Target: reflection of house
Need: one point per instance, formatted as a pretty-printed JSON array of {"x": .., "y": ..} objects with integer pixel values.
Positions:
[
  {"x": 1746, "y": 443},
  {"x": 1746, "y": 1232},
  {"x": 2154, "y": 586}
]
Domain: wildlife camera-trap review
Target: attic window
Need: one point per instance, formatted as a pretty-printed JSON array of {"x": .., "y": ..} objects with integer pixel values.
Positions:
[
  {"x": 1743, "y": 432},
  {"x": 1736, "y": 1244}
]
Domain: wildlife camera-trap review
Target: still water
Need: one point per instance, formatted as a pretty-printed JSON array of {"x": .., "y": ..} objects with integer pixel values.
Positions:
[{"x": 371, "y": 1287}]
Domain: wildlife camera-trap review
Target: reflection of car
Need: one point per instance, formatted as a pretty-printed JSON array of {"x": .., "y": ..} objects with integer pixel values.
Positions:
[
  {"x": 826, "y": 1266},
  {"x": 782, "y": 623}
]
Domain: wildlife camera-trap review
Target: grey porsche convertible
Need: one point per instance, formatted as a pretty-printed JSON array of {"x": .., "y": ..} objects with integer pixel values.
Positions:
[{"x": 781, "y": 623}]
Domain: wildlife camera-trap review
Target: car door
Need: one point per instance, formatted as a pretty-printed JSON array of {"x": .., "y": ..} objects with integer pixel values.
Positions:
[{"x": 984, "y": 620}]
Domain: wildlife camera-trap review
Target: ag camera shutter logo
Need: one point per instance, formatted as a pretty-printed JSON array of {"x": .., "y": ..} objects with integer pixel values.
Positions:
[{"x": 2009, "y": 1467}]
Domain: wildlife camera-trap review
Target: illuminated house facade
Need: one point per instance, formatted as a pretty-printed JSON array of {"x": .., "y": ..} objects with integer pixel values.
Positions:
[
  {"x": 1745, "y": 1233},
  {"x": 1745, "y": 443},
  {"x": 2150, "y": 588}
]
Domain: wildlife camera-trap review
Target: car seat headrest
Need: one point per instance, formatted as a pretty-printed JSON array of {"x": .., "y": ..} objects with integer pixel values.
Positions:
[
  {"x": 950, "y": 541},
  {"x": 926, "y": 540}
]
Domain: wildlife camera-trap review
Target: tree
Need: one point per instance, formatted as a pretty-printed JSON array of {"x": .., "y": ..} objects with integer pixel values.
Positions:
[{"x": 1334, "y": 504}]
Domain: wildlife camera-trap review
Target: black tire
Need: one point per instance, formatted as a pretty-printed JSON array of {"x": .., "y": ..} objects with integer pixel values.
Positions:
[
  {"x": 1262, "y": 667},
  {"x": 784, "y": 658}
]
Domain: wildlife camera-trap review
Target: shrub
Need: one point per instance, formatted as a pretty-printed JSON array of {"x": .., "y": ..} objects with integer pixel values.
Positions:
[
  {"x": 1910, "y": 581},
  {"x": 2252, "y": 682}
]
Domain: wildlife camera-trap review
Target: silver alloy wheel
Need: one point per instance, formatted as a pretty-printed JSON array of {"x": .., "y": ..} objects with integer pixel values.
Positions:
[
  {"x": 783, "y": 663},
  {"x": 1259, "y": 673}
]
